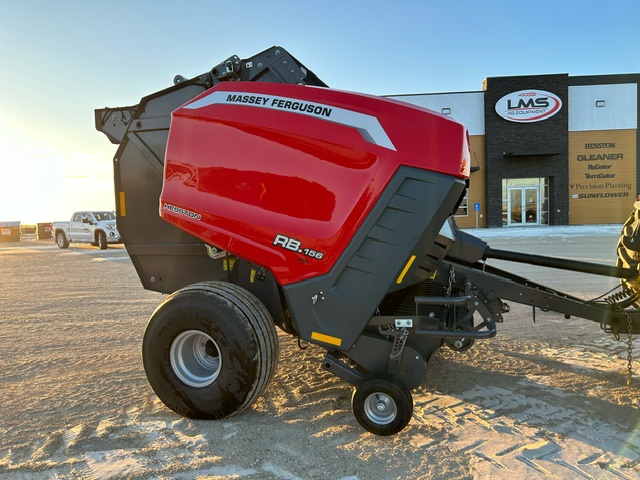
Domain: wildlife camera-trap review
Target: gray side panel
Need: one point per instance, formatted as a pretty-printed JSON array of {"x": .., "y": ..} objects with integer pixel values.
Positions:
[
  {"x": 405, "y": 222},
  {"x": 165, "y": 257}
]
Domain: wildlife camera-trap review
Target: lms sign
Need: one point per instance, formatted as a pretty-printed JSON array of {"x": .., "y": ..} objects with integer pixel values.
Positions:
[{"x": 527, "y": 106}]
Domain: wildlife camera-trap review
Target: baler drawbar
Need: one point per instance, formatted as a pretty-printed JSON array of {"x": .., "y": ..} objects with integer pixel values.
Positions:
[{"x": 257, "y": 197}]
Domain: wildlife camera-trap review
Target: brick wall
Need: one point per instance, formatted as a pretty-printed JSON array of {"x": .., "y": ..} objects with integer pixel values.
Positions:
[{"x": 546, "y": 136}]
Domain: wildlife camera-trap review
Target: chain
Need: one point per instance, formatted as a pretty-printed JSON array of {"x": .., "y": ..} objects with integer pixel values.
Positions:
[
  {"x": 452, "y": 279},
  {"x": 629, "y": 351},
  {"x": 616, "y": 335}
]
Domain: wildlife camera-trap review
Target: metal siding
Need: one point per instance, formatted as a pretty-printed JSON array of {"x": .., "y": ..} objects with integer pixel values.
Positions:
[
  {"x": 549, "y": 136},
  {"x": 619, "y": 112},
  {"x": 609, "y": 199},
  {"x": 477, "y": 186},
  {"x": 467, "y": 107}
]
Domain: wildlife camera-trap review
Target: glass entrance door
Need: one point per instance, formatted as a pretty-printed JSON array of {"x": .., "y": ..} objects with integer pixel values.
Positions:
[{"x": 524, "y": 206}]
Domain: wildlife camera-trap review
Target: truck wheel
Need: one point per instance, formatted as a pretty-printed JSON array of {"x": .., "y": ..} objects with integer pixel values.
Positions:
[
  {"x": 210, "y": 350},
  {"x": 61, "y": 240},
  {"x": 382, "y": 406},
  {"x": 102, "y": 241}
]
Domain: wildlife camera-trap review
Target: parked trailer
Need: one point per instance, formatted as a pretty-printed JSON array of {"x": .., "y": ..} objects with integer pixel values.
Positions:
[{"x": 257, "y": 197}]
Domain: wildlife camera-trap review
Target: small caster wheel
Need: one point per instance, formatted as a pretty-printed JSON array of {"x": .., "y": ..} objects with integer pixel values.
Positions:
[
  {"x": 459, "y": 344},
  {"x": 382, "y": 406}
]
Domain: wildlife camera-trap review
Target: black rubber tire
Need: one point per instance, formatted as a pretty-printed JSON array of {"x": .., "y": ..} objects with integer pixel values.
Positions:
[
  {"x": 241, "y": 328},
  {"x": 101, "y": 240},
  {"x": 461, "y": 344},
  {"x": 392, "y": 395},
  {"x": 61, "y": 240},
  {"x": 464, "y": 323}
]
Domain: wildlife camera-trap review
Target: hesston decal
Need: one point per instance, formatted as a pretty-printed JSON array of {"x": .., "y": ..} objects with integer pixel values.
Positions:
[
  {"x": 527, "y": 106},
  {"x": 602, "y": 184}
]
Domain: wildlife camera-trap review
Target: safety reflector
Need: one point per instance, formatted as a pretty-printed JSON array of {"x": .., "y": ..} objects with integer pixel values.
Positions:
[
  {"x": 405, "y": 269},
  {"x": 321, "y": 337}
]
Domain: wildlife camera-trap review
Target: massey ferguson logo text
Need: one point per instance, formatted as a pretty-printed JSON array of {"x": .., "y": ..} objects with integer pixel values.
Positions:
[
  {"x": 280, "y": 103},
  {"x": 528, "y": 106},
  {"x": 368, "y": 125}
]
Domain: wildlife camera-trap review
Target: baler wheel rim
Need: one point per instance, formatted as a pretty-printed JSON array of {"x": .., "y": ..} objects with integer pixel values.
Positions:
[
  {"x": 380, "y": 408},
  {"x": 195, "y": 358},
  {"x": 382, "y": 405}
]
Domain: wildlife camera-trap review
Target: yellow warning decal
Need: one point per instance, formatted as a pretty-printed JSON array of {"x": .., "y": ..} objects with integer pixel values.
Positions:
[
  {"x": 321, "y": 337},
  {"x": 123, "y": 210},
  {"x": 405, "y": 269}
]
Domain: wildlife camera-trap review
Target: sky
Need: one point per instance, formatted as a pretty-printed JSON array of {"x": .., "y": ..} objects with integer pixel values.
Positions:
[{"x": 61, "y": 60}]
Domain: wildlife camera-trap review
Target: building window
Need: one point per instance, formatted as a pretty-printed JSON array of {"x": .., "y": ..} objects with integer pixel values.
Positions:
[{"x": 463, "y": 209}]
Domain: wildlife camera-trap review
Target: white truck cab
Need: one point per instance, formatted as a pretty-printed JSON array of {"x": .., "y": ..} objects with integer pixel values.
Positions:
[{"x": 95, "y": 227}]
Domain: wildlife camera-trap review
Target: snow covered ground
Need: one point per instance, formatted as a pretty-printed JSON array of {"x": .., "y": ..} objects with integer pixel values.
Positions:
[{"x": 612, "y": 230}]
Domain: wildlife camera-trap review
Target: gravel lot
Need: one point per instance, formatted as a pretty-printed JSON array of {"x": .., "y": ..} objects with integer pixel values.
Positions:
[{"x": 543, "y": 400}]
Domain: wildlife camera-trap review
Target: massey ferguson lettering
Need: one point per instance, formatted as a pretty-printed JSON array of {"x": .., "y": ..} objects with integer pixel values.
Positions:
[
  {"x": 250, "y": 99},
  {"x": 368, "y": 125},
  {"x": 301, "y": 107},
  {"x": 282, "y": 103},
  {"x": 528, "y": 106}
]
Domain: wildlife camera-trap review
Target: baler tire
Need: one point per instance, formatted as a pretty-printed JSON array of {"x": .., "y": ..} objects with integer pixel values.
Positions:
[
  {"x": 102, "y": 241},
  {"x": 382, "y": 406},
  {"x": 210, "y": 350},
  {"x": 61, "y": 240}
]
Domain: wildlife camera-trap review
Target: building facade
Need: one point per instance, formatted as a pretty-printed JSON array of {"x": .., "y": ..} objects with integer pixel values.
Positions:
[{"x": 547, "y": 149}]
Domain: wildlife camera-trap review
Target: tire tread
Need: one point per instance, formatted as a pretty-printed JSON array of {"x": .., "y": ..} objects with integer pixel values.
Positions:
[{"x": 259, "y": 326}]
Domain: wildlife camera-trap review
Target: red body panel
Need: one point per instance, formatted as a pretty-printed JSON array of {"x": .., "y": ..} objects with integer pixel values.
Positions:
[{"x": 283, "y": 175}]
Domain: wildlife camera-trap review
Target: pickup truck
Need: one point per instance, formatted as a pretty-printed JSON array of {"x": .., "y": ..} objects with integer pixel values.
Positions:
[{"x": 95, "y": 227}]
